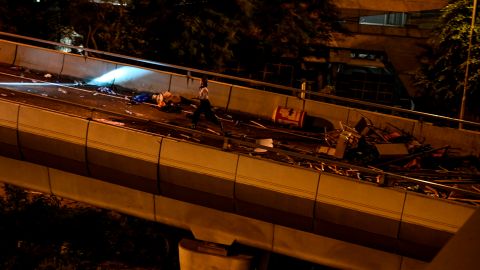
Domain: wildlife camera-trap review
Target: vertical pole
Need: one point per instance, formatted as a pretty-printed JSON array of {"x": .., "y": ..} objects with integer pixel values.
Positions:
[
  {"x": 465, "y": 83},
  {"x": 303, "y": 88}
]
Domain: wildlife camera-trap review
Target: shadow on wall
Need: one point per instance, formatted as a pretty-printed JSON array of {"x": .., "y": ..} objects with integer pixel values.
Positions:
[{"x": 317, "y": 124}]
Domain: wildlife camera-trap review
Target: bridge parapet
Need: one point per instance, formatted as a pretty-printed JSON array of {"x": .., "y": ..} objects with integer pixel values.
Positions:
[{"x": 284, "y": 195}]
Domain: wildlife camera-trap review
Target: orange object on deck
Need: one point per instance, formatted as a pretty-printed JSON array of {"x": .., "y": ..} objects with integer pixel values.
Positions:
[{"x": 288, "y": 116}]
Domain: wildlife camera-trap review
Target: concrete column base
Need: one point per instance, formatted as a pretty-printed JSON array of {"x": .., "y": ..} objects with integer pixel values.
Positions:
[{"x": 199, "y": 255}]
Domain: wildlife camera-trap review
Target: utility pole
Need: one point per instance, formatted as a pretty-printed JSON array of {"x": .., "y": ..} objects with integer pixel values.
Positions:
[{"x": 465, "y": 83}]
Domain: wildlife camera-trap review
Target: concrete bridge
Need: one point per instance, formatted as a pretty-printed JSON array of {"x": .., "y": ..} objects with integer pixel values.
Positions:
[{"x": 222, "y": 196}]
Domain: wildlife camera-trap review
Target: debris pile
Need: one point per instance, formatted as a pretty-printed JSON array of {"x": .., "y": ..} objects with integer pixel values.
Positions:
[{"x": 387, "y": 157}]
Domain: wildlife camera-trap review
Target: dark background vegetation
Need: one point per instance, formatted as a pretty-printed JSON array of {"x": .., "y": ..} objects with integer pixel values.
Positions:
[
  {"x": 206, "y": 34},
  {"x": 40, "y": 231},
  {"x": 45, "y": 232}
]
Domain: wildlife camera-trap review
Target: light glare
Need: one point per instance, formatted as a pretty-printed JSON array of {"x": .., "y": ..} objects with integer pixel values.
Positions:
[{"x": 120, "y": 75}]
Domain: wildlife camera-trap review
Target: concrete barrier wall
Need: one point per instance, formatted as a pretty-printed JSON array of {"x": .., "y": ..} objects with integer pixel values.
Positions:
[
  {"x": 468, "y": 141},
  {"x": 333, "y": 113},
  {"x": 197, "y": 174},
  {"x": 102, "y": 194},
  {"x": 296, "y": 103},
  {"x": 24, "y": 174},
  {"x": 430, "y": 221},
  {"x": 123, "y": 156},
  {"x": 334, "y": 253},
  {"x": 142, "y": 79},
  {"x": 39, "y": 59},
  {"x": 219, "y": 94},
  {"x": 8, "y": 129},
  {"x": 255, "y": 102},
  {"x": 214, "y": 225},
  {"x": 359, "y": 206},
  {"x": 276, "y": 192},
  {"x": 382, "y": 121},
  {"x": 77, "y": 66},
  {"x": 184, "y": 86},
  {"x": 52, "y": 139},
  {"x": 7, "y": 52}
]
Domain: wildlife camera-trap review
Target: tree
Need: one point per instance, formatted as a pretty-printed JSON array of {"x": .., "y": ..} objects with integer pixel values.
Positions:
[
  {"x": 441, "y": 79},
  {"x": 214, "y": 32},
  {"x": 107, "y": 27},
  {"x": 206, "y": 34}
]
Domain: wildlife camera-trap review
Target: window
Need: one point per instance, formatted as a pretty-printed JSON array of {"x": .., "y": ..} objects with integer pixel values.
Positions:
[{"x": 389, "y": 19}]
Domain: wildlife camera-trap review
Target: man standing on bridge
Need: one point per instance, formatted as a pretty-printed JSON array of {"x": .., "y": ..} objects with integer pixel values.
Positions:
[{"x": 204, "y": 107}]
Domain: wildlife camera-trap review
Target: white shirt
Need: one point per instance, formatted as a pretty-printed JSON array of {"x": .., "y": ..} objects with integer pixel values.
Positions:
[{"x": 203, "y": 93}]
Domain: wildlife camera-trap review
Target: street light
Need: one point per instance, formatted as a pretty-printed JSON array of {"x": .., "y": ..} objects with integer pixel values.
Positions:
[{"x": 465, "y": 83}]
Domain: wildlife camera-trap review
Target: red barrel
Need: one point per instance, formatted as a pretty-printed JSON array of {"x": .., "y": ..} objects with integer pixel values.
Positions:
[{"x": 288, "y": 116}]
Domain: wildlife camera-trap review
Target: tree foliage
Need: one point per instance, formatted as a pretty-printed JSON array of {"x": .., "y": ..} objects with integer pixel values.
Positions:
[
  {"x": 206, "y": 34},
  {"x": 39, "y": 231},
  {"x": 441, "y": 80}
]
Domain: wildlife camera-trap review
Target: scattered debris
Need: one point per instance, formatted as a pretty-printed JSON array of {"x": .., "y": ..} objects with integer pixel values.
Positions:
[
  {"x": 213, "y": 131},
  {"x": 256, "y": 123},
  {"x": 106, "y": 90},
  {"x": 264, "y": 142},
  {"x": 288, "y": 116},
  {"x": 110, "y": 122}
]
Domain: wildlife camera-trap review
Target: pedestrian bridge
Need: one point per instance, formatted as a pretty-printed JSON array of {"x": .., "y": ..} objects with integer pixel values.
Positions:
[{"x": 223, "y": 196}]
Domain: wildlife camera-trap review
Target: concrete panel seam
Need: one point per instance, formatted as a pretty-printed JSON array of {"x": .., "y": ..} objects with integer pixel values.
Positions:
[
  {"x": 399, "y": 229},
  {"x": 15, "y": 54},
  {"x": 63, "y": 64},
  {"x": 87, "y": 163},
  {"x": 170, "y": 83},
  {"x": 113, "y": 82},
  {"x": 229, "y": 96},
  {"x": 315, "y": 201},
  {"x": 273, "y": 237},
  {"x": 158, "y": 171},
  {"x": 235, "y": 185}
]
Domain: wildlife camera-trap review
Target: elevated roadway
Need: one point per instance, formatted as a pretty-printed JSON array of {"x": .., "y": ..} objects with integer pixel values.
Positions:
[{"x": 77, "y": 143}]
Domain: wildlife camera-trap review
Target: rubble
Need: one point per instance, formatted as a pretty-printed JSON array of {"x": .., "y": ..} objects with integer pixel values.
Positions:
[
  {"x": 396, "y": 157},
  {"x": 106, "y": 90}
]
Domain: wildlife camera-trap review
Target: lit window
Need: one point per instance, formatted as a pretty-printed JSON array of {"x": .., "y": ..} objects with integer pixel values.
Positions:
[{"x": 389, "y": 19}]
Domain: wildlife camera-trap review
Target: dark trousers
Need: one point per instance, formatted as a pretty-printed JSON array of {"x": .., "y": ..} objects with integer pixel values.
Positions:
[{"x": 206, "y": 108}]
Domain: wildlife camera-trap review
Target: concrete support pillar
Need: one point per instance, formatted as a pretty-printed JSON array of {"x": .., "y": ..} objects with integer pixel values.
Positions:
[
  {"x": 461, "y": 251},
  {"x": 200, "y": 255}
]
